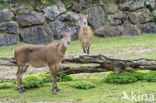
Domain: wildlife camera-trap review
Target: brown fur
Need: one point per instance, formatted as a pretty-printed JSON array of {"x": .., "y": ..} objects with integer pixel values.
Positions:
[
  {"x": 40, "y": 55},
  {"x": 85, "y": 36}
]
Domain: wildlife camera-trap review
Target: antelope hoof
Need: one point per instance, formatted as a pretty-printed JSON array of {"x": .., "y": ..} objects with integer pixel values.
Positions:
[
  {"x": 58, "y": 89},
  {"x": 21, "y": 89},
  {"x": 54, "y": 91}
]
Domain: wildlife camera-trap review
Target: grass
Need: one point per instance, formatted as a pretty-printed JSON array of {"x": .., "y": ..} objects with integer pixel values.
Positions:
[
  {"x": 143, "y": 46},
  {"x": 102, "y": 93}
]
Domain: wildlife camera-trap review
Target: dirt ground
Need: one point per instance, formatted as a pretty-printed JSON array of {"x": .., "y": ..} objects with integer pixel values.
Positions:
[{"x": 9, "y": 72}]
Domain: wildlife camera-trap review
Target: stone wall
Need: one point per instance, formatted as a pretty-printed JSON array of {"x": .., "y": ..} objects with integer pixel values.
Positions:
[{"x": 106, "y": 19}]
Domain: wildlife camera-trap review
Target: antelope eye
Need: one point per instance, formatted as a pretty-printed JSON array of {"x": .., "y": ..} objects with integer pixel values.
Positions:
[{"x": 68, "y": 42}]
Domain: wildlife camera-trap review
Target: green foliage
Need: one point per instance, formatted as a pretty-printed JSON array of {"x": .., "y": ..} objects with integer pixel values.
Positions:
[
  {"x": 83, "y": 85},
  {"x": 64, "y": 78},
  {"x": 32, "y": 81},
  {"x": 121, "y": 78},
  {"x": 67, "y": 3},
  {"x": 46, "y": 77},
  {"x": 3, "y": 5},
  {"x": 150, "y": 77},
  {"x": 6, "y": 85},
  {"x": 106, "y": 1},
  {"x": 130, "y": 77},
  {"x": 120, "y": 1}
]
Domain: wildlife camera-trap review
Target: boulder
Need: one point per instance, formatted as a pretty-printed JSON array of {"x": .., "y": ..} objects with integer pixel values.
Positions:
[
  {"x": 110, "y": 8},
  {"x": 132, "y": 5},
  {"x": 76, "y": 7},
  {"x": 29, "y": 18},
  {"x": 7, "y": 1},
  {"x": 51, "y": 12},
  {"x": 9, "y": 27},
  {"x": 68, "y": 22},
  {"x": 5, "y": 15},
  {"x": 154, "y": 13},
  {"x": 37, "y": 34},
  {"x": 15, "y": 7},
  {"x": 8, "y": 39},
  {"x": 108, "y": 31},
  {"x": 148, "y": 28},
  {"x": 61, "y": 7},
  {"x": 96, "y": 18},
  {"x": 118, "y": 18},
  {"x": 139, "y": 17},
  {"x": 130, "y": 30},
  {"x": 151, "y": 4}
]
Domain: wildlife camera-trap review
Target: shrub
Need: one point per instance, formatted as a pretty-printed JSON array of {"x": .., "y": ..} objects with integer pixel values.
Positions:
[
  {"x": 46, "y": 77},
  {"x": 32, "y": 81},
  {"x": 120, "y": 1},
  {"x": 83, "y": 85},
  {"x": 150, "y": 77},
  {"x": 122, "y": 78},
  {"x": 6, "y": 85},
  {"x": 64, "y": 78}
]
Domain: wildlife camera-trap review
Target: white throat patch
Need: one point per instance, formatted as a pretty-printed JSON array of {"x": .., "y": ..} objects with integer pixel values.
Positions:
[{"x": 66, "y": 45}]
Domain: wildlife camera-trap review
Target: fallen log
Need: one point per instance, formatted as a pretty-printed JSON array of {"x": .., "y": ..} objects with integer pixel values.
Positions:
[
  {"x": 101, "y": 64},
  {"x": 116, "y": 65}
]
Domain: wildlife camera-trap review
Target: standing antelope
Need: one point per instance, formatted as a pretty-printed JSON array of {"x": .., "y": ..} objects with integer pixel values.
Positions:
[
  {"x": 85, "y": 34},
  {"x": 41, "y": 55}
]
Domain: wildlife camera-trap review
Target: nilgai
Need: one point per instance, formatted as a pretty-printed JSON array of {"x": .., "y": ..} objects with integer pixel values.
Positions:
[
  {"x": 85, "y": 34},
  {"x": 41, "y": 55}
]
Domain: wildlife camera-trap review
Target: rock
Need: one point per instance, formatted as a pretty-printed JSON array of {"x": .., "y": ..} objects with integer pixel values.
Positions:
[
  {"x": 96, "y": 18},
  {"x": 108, "y": 31},
  {"x": 130, "y": 30},
  {"x": 51, "y": 12},
  {"x": 5, "y": 15},
  {"x": 8, "y": 39},
  {"x": 37, "y": 34},
  {"x": 7, "y": 1},
  {"x": 15, "y": 7},
  {"x": 132, "y": 5},
  {"x": 118, "y": 18},
  {"x": 151, "y": 4},
  {"x": 9, "y": 27},
  {"x": 154, "y": 13},
  {"x": 68, "y": 22},
  {"x": 29, "y": 18},
  {"x": 39, "y": 8},
  {"x": 148, "y": 28},
  {"x": 113, "y": 21},
  {"x": 61, "y": 7},
  {"x": 110, "y": 8},
  {"x": 140, "y": 17},
  {"x": 76, "y": 7}
]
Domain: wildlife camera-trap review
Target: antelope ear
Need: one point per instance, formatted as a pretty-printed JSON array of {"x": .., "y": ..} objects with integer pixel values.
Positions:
[
  {"x": 88, "y": 15},
  {"x": 74, "y": 31},
  {"x": 59, "y": 31}
]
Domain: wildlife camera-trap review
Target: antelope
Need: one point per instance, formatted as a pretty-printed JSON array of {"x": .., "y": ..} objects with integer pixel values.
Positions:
[
  {"x": 41, "y": 55},
  {"x": 85, "y": 34}
]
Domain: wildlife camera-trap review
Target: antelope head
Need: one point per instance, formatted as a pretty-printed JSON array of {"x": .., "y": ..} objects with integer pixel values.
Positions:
[
  {"x": 67, "y": 39},
  {"x": 83, "y": 20}
]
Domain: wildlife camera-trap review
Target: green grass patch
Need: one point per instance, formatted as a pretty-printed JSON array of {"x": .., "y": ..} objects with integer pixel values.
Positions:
[
  {"x": 143, "y": 46},
  {"x": 6, "y": 85},
  {"x": 83, "y": 85},
  {"x": 102, "y": 93}
]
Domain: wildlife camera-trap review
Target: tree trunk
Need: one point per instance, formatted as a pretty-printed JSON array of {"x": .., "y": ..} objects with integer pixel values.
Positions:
[{"x": 95, "y": 63}]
